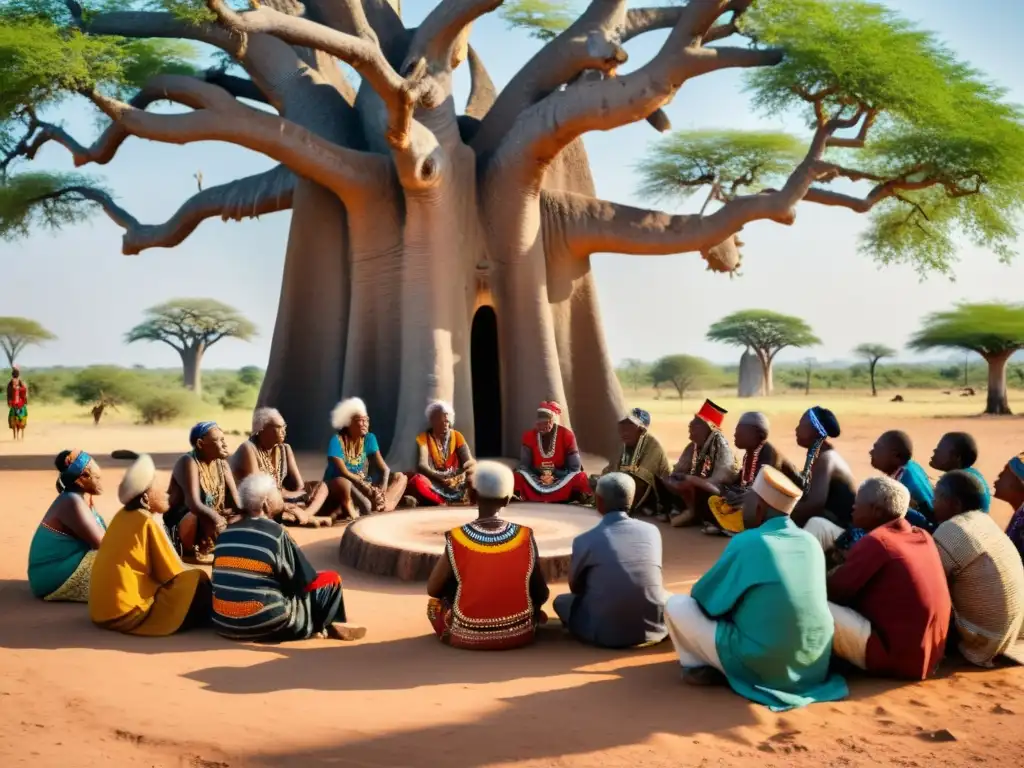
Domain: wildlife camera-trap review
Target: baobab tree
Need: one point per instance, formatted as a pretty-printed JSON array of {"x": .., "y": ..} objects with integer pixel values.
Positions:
[
  {"x": 190, "y": 327},
  {"x": 765, "y": 333},
  {"x": 411, "y": 222},
  {"x": 994, "y": 331},
  {"x": 872, "y": 353}
]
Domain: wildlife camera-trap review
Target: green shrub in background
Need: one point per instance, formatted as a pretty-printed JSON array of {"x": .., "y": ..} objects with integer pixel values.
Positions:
[
  {"x": 251, "y": 376},
  {"x": 238, "y": 397},
  {"x": 116, "y": 385},
  {"x": 162, "y": 405},
  {"x": 47, "y": 387}
]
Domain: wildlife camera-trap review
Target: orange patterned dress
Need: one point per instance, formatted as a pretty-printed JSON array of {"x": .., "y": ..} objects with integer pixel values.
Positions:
[{"x": 492, "y": 608}]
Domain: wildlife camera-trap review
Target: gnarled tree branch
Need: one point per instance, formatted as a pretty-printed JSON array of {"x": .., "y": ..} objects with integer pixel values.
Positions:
[
  {"x": 116, "y": 213},
  {"x": 542, "y": 131},
  {"x": 239, "y": 87},
  {"x": 363, "y": 54},
  {"x": 445, "y": 24}
]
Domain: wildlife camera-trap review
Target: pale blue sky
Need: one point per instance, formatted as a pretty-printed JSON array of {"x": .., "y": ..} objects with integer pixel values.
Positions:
[{"x": 78, "y": 284}]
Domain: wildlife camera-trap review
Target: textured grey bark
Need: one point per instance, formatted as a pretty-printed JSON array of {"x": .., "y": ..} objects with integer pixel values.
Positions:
[
  {"x": 406, "y": 217},
  {"x": 751, "y": 377}
]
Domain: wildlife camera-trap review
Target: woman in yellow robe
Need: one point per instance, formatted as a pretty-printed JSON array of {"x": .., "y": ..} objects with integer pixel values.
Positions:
[{"x": 139, "y": 584}]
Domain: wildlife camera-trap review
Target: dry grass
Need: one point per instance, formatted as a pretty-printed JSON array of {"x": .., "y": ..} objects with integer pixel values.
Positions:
[{"x": 68, "y": 413}]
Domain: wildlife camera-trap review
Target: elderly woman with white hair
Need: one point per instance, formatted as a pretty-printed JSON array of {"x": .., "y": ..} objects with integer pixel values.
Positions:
[
  {"x": 486, "y": 590},
  {"x": 311, "y": 504},
  {"x": 889, "y": 599},
  {"x": 264, "y": 588},
  {"x": 444, "y": 460},
  {"x": 353, "y": 454}
]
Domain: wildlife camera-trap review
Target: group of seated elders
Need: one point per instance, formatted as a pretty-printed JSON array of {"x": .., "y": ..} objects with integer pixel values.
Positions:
[
  {"x": 616, "y": 597},
  {"x": 61, "y": 555},
  {"x": 487, "y": 590},
  {"x": 139, "y": 584},
  {"x": 264, "y": 588},
  {"x": 550, "y": 469},
  {"x": 759, "y": 618},
  {"x": 443, "y": 461},
  {"x": 642, "y": 458},
  {"x": 266, "y": 452},
  {"x": 354, "y": 455},
  {"x": 203, "y": 495}
]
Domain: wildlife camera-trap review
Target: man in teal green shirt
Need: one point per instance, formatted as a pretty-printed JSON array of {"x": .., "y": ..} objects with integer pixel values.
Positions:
[{"x": 760, "y": 616}]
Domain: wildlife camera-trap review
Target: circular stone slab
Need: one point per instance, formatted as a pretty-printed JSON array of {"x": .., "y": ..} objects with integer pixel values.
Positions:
[{"x": 407, "y": 543}]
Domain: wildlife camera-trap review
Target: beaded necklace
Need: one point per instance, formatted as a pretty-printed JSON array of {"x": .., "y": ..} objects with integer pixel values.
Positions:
[
  {"x": 706, "y": 457},
  {"x": 440, "y": 452},
  {"x": 211, "y": 482},
  {"x": 812, "y": 456},
  {"x": 627, "y": 459},
  {"x": 270, "y": 462},
  {"x": 750, "y": 465},
  {"x": 554, "y": 443},
  {"x": 355, "y": 453}
]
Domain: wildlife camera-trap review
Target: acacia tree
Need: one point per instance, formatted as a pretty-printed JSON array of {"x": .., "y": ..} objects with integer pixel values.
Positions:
[
  {"x": 994, "y": 331},
  {"x": 431, "y": 214},
  {"x": 16, "y": 333},
  {"x": 190, "y": 327},
  {"x": 765, "y": 333},
  {"x": 872, "y": 353},
  {"x": 683, "y": 372}
]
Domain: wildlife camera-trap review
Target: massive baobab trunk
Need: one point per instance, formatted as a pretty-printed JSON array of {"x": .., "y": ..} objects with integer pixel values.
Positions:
[{"x": 192, "y": 368}]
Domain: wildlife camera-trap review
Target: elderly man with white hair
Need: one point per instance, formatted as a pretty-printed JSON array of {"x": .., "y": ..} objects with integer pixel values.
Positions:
[
  {"x": 617, "y": 599},
  {"x": 264, "y": 588},
  {"x": 311, "y": 504},
  {"x": 889, "y": 598},
  {"x": 445, "y": 461},
  {"x": 759, "y": 619},
  {"x": 487, "y": 589},
  {"x": 354, "y": 455}
]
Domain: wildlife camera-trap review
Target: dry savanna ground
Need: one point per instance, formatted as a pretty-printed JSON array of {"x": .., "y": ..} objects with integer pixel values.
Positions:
[{"x": 72, "y": 695}]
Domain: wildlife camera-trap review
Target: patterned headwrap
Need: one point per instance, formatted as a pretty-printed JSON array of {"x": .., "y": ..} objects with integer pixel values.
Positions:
[
  {"x": 551, "y": 408},
  {"x": 201, "y": 430},
  {"x": 816, "y": 422},
  {"x": 77, "y": 462},
  {"x": 640, "y": 417},
  {"x": 1016, "y": 465}
]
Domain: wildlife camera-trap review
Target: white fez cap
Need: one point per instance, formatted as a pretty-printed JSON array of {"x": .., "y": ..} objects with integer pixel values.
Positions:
[
  {"x": 776, "y": 490},
  {"x": 138, "y": 479}
]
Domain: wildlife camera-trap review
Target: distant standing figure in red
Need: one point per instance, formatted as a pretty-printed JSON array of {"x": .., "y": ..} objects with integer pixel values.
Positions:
[
  {"x": 550, "y": 469},
  {"x": 17, "y": 403}
]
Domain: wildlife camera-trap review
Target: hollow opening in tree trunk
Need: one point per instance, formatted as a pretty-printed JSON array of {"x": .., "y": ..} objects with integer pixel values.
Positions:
[{"x": 486, "y": 371}]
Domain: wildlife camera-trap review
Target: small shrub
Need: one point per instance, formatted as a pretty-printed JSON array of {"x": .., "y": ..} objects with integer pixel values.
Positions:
[
  {"x": 160, "y": 406},
  {"x": 116, "y": 385},
  {"x": 238, "y": 397},
  {"x": 250, "y": 376},
  {"x": 46, "y": 387}
]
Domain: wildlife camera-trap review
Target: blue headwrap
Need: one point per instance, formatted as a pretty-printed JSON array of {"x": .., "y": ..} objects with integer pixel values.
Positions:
[
  {"x": 640, "y": 417},
  {"x": 201, "y": 430},
  {"x": 816, "y": 422},
  {"x": 1017, "y": 466},
  {"x": 73, "y": 471}
]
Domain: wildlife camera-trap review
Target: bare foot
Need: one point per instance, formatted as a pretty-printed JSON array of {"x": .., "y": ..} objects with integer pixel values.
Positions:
[
  {"x": 704, "y": 677},
  {"x": 340, "y": 631}
]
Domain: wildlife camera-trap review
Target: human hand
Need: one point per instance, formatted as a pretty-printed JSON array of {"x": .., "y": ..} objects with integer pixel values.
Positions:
[{"x": 220, "y": 523}]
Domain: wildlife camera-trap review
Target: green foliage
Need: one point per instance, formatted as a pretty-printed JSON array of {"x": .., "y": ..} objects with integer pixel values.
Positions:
[
  {"x": 42, "y": 199},
  {"x": 251, "y": 375},
  {"x": 16, "y": 333},
  {"x": 988, "y": 329},
  {"x": 736, "y": 161},
  {"x": 874, "y": 352},
  {"x": 543, "y": 19},
  {"x": 939, "y": 119},
  {"x": 115, "y": 385},
  {"x": 238, "y": 397},
  {"x": 187, "y": 322},
  {"x": 683, "y": 372},
  {"x": 192, "y": 11},
  {"x": 163, "y": 405},
  {"x": 46, "y": 387},
  {"x": 633, "y": 373},
  {"x": 762, "y": 330}
]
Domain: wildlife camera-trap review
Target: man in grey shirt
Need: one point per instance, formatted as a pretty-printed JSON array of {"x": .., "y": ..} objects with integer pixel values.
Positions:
[{"x": 617, "y": 598}]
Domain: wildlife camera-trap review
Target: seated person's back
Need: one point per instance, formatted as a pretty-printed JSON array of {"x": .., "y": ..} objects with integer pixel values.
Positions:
[{"x": 617, "y": 598}]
